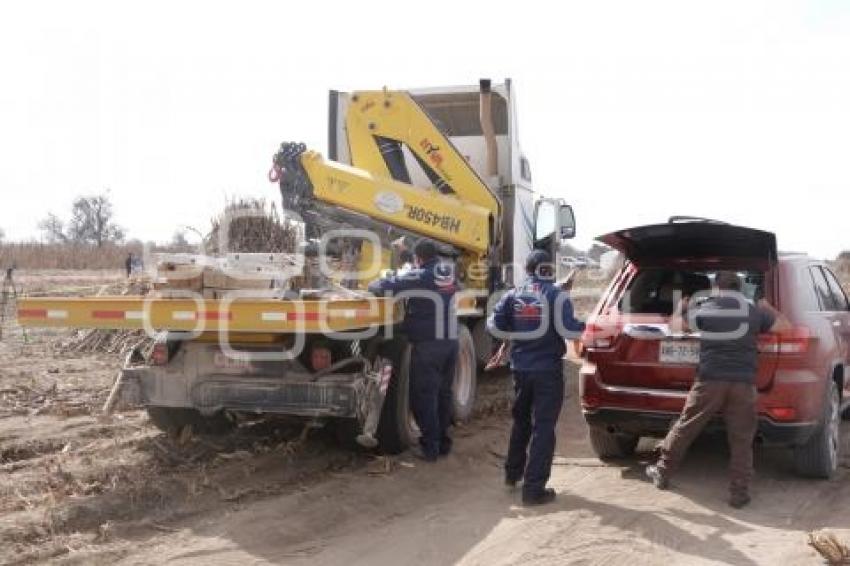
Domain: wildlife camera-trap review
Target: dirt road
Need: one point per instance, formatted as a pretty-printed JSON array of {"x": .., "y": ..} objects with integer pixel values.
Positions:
[
  {"x": 102, "y": 492},
  {"x": 76, "y": 488},
  {"x": 457, "y": 512}
]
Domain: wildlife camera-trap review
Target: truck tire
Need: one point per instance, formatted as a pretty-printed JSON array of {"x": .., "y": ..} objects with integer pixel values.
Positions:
[
  {"x": 818, "y": 457},
  {"x": 466, "y": 376},
  {"x": 396, "y": 429},
  {"x": 607, "y": 445},
  {"x": 484, "y": 343},
  {"x": 173, "y": 419}
]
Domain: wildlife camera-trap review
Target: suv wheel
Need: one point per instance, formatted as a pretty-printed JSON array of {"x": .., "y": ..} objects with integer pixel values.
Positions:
[
  {"x": 818, "y": 458},
  {"x": 608, "y": 445}
]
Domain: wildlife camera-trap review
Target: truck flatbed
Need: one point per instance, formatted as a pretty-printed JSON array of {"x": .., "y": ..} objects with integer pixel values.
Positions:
[{"x": 208, "y": 315}]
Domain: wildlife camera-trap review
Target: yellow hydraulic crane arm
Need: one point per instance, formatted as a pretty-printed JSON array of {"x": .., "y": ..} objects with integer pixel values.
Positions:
[
  {"x": 458, "y": 208},
  {"x": 421, "y": 211},
  {"x": 375, "y": 119}
]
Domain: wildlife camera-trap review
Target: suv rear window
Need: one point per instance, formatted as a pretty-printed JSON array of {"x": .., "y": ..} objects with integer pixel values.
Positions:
[{"x": 656, "y": 290}]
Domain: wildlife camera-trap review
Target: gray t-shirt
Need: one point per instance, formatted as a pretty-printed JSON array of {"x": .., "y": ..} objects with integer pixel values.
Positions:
[{"x": 729, "y": 328}]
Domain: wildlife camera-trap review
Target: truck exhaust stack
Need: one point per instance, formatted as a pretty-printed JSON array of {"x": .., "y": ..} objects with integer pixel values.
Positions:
[{"x": 486, "y": 118}]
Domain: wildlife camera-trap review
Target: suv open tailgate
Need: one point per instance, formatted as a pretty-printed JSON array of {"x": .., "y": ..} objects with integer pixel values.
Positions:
[
  {"x": 638, "y": 358},
  {"x": 692, "y": 241}
]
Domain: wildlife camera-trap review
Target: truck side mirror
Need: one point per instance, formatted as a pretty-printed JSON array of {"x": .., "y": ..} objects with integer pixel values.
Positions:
[{"x": 567, "y": 222}]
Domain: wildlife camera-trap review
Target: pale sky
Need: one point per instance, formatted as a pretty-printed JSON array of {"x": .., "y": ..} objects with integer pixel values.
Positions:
[{"x": 632, "y": 111}]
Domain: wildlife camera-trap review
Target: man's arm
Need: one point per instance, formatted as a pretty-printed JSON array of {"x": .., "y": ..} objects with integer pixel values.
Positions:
[
  {"x": 501, "y": 319},
  {"x": 570, "y": 323},
  {"x": 678, "y": 320},
  {"x": 772, "y": 319},
  {"x": 395, "y": 283}
]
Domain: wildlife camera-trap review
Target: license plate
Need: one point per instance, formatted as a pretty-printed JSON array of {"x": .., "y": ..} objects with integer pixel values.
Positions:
[
  {"x": 678, "y": 352},
  {"x": 223, "y": 361}
]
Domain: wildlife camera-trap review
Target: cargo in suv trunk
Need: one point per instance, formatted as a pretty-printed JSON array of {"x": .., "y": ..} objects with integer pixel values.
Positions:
[{"x": 629, "y": 339}]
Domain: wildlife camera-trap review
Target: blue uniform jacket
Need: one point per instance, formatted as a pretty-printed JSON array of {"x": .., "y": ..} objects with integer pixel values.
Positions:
[
  {"x": 431, "y": 316},
  {"x": 534, "y": 307}
]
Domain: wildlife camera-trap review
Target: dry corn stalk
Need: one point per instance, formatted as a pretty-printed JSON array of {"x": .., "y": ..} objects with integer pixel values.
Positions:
[
  {"x": 829, "y": 547},
  {"x": 252, "y": 226}
]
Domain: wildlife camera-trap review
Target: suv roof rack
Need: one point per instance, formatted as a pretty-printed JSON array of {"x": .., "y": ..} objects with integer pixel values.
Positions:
[{"x": 677, "y": 219}]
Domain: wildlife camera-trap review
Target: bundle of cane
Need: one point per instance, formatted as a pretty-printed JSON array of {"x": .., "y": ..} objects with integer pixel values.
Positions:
[
  {"x": 829, "y": 547},
  {"x": 251, "y": 225}
]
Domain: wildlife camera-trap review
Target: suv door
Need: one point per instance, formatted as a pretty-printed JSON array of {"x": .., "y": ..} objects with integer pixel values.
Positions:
[
  {"x": 840, "y": 317},
  {"x": 831, "y": 318}
]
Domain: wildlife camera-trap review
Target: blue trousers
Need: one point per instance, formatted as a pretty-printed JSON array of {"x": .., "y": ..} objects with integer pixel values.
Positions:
[
  {"x": 432, "y": 372},
  {"x": 537, "y": 404}
]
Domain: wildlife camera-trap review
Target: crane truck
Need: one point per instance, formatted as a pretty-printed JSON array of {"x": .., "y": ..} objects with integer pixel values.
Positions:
[{"x": 443, "y": 163}]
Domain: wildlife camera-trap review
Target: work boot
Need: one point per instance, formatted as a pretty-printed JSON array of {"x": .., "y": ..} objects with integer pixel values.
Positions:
[
  {"x": 420, "y": 454},
  {"x": 510, "y": 483},
  {"x": 738, "y": 499},
  {"x": 657, "y": 476},
  {"x": 445, "y": 446},
  {"x": 546, "y": 495}
]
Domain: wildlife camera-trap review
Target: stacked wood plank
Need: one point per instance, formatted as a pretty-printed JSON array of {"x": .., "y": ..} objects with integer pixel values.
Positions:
[{"x": 214, "y": 277}]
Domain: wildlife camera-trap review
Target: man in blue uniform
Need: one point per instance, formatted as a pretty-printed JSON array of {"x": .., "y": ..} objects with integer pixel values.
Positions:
[
  {"x": 430, "y": 323},
  {"x": 537, "y": 317}
]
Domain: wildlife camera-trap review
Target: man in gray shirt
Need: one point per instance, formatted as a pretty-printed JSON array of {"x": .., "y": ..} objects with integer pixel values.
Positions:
[{"x": 729, "y": 327}]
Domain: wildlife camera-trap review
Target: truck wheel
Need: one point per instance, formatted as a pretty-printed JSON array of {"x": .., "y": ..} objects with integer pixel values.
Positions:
[
  {"x": 396, "y": 429},
  {"x": 818, "y": 457},
  {"x": 483, "y": 341},
  {"x": 607, "y": 445},
  {"x": 466, "y": 376},
  {"x": 173, "y": 419}
]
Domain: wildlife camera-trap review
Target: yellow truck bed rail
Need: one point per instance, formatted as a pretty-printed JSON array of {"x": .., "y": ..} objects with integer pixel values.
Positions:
[{"x": 205, "y": 315}]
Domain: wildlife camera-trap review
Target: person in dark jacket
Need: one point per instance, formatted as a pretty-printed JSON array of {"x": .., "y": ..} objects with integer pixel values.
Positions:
[
  {"x": 430, "y": 323},
  {"x": 729, "y": 327},
  {"x": 537, "y": 317}
]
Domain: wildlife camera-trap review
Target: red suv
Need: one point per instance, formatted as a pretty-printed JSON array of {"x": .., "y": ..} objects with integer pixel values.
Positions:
[{"x": 637, "y": 373}]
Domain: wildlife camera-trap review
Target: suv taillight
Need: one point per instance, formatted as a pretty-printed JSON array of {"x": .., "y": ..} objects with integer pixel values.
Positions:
[
  {"x": 792, "y": 342},
  {"x": 598, "y": 335}
]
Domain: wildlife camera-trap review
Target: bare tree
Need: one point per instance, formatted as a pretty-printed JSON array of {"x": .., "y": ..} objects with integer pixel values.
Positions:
[
  {"x": 53, "y": 229},
  {"x": 92, "y": 221}
]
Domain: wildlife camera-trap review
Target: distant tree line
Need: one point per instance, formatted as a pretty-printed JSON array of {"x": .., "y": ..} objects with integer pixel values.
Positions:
[{"x": 92, "y": 222}]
